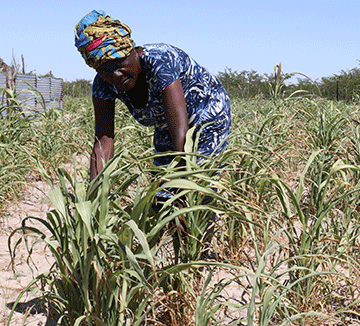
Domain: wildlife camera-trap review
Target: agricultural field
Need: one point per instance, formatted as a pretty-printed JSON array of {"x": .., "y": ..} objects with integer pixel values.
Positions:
[{"x": 285, "y": 249}]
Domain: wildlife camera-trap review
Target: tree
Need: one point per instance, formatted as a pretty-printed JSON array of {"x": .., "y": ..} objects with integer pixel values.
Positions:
[
  {"x": 49, "y": 74},
  {"x": 78, "y": 88}
]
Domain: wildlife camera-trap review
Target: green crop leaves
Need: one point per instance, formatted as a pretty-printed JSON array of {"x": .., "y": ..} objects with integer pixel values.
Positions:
[{"x": 284, "y": 213}]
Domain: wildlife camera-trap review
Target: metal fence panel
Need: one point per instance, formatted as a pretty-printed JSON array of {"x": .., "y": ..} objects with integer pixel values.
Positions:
[
  {"x": 25, "y": 85},
  {"x": 2, "y": 80},
  {"x": 37, "y": 92},
  {"x": 57, "y": 91}
]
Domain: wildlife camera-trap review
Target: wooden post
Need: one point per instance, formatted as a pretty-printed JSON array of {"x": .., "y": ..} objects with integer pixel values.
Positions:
[
  {"x": 23, "y": 64},
  {"x": 10, "y": 73}
]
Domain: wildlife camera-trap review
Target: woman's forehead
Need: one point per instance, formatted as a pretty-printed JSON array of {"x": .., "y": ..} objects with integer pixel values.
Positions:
[{"x": 111, "y": 64}]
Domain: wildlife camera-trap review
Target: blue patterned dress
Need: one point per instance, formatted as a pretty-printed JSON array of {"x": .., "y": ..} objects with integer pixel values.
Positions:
[{"x": 205, "y": 97}]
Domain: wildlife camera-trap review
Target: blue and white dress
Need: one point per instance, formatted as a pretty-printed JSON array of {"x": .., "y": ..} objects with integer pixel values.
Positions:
[{"x": 205, "y": 97}]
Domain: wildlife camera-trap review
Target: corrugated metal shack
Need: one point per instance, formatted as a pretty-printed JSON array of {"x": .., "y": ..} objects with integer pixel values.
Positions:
[{"x": 35, "y": 91}]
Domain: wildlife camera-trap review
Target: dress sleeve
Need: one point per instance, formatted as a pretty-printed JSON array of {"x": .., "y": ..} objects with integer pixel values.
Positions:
[
  {"x": 102, "y": 89},
  {"x": 166, "y": 66}
]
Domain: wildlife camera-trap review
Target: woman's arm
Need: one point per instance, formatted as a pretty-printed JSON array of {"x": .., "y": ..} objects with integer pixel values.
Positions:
[
  {"x": 176, "y": 114},
  {"x": 103, "y": 149}
]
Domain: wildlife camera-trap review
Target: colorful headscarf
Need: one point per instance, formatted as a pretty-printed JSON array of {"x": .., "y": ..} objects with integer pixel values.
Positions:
[{"x": 99, "y": 37}]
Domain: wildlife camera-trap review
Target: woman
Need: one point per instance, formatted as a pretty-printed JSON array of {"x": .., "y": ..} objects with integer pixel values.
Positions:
[{"x": 160, "y": 85}]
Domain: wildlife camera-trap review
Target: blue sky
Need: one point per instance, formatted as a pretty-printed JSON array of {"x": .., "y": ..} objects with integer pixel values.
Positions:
[{"x": 317, "y": 38}]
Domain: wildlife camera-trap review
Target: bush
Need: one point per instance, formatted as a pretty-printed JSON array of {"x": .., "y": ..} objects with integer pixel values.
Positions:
[{"x": 78, "y": 88}]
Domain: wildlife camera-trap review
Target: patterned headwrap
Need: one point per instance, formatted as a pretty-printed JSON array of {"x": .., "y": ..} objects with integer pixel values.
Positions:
[{"x": 99, "y": 37}]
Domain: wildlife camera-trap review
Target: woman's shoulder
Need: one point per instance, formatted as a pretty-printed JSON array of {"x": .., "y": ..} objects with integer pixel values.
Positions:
[
  {"x": 160, "y": 47},
  {"x": 161, "y": 50}
]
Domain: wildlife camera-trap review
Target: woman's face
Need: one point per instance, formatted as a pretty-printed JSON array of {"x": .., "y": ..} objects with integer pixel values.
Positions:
[{"x": 122, "y": 73}]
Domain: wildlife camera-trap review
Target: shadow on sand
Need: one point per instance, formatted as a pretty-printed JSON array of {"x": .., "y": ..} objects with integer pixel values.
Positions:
[{"x": 34, "y": 307}]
